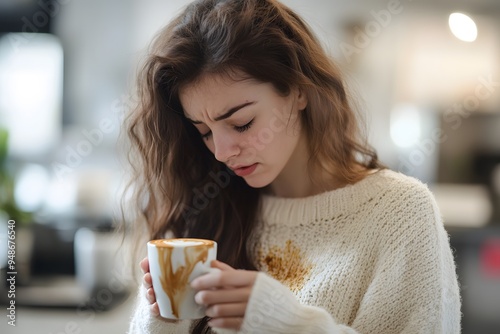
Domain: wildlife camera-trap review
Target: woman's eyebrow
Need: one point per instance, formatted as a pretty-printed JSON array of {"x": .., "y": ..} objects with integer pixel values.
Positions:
[{"x": 228, "y": 114}]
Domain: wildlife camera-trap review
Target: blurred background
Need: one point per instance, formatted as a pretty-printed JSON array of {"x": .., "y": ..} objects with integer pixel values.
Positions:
[{"x": 426, "y": 73}]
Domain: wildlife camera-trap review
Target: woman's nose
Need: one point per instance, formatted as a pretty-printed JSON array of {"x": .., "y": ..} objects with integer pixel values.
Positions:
[{"x": 225, "y": 146}]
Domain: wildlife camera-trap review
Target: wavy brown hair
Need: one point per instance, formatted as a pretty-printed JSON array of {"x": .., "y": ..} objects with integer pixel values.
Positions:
[{"x": 179, "y": 186}]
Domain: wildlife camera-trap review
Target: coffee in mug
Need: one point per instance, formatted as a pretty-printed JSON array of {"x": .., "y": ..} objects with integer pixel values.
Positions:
[{"x": 174, "y": 264}]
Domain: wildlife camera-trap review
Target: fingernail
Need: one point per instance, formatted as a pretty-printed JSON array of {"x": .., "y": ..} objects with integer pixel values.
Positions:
[{"x": 197, "y": 298}]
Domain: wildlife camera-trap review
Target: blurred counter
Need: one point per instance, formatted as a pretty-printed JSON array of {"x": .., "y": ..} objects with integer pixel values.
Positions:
[{"x": 71, "y": 321}]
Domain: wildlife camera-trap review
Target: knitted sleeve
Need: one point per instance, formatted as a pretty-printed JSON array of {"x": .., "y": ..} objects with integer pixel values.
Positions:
[
  {"x": 143, "y": 322},
  {"x": 413, "y": 289},
  {"x": 274, "y": 309}
]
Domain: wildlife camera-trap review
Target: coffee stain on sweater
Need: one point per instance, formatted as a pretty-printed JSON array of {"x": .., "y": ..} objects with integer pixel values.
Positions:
[{"x": 286, "y": 265}]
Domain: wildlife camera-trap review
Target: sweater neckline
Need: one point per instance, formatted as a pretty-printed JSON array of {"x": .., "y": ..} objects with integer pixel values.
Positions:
[{"x": 295, "y": 211}]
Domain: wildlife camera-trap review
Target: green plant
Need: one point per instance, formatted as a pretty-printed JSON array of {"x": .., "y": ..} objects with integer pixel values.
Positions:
[{"x": 7, "y": 199}]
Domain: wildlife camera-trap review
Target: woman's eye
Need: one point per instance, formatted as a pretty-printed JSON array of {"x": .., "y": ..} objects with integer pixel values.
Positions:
[
  {"x": 240, "y": 129},
  {"x": 206, "y": 135},
  {"x": 244, "y": 127}
]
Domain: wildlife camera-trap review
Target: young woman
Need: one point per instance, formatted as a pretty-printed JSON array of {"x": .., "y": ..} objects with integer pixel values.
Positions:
[{"x": 246, "y": 135}]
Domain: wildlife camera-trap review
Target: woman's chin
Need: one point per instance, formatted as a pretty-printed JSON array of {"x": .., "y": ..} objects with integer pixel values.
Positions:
[{"x": 256, "y": 181}]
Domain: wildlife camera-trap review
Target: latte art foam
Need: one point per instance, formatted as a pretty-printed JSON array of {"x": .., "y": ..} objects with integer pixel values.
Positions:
[
  {"x": 184, "y": 243},
  {"x": 181, "y": 242}
]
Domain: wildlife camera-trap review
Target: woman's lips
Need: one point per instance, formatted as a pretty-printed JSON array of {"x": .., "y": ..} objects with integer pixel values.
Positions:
[{"x": 244, "y": 171}]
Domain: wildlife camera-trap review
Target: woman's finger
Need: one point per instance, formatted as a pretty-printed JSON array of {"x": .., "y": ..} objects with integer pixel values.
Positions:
[
  {"x": 226, "y": 310},
  {"x": 210, "y": 297},
  {"x": 150, "y": 296},
  {"x": 233, "y": 278},
  {"x": 144, "y": 265},
  {"x": 229, "y": 323},
  {"x": 155, "y": 310},
  {"x": 221, "y": 265},
  {"x": 147, "y": 281}
]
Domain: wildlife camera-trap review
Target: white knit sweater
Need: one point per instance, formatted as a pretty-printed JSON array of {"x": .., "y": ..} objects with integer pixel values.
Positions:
[{"x": 369, "y": 258}]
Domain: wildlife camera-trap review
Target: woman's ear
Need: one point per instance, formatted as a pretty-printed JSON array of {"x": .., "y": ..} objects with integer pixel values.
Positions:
[{"x": 301, "y": 99}]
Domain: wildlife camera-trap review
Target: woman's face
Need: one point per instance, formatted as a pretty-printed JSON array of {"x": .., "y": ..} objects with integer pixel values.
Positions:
[{"x": 247, "y": 125}]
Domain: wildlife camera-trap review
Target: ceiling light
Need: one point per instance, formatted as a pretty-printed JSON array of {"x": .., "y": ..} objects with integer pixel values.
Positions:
[{"x": 463, "y": 27}]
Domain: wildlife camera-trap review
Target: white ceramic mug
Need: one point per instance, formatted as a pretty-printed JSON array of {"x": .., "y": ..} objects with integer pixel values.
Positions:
[{"x": 174, "y": 264}]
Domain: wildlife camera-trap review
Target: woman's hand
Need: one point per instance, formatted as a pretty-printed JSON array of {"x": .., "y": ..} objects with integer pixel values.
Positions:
[
  {"x": 148, "y": 284},
  {"x": 226, "y": 294}
]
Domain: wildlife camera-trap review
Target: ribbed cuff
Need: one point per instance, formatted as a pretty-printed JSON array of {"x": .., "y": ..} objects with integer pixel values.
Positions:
[{"x": 273, "y": 309}]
